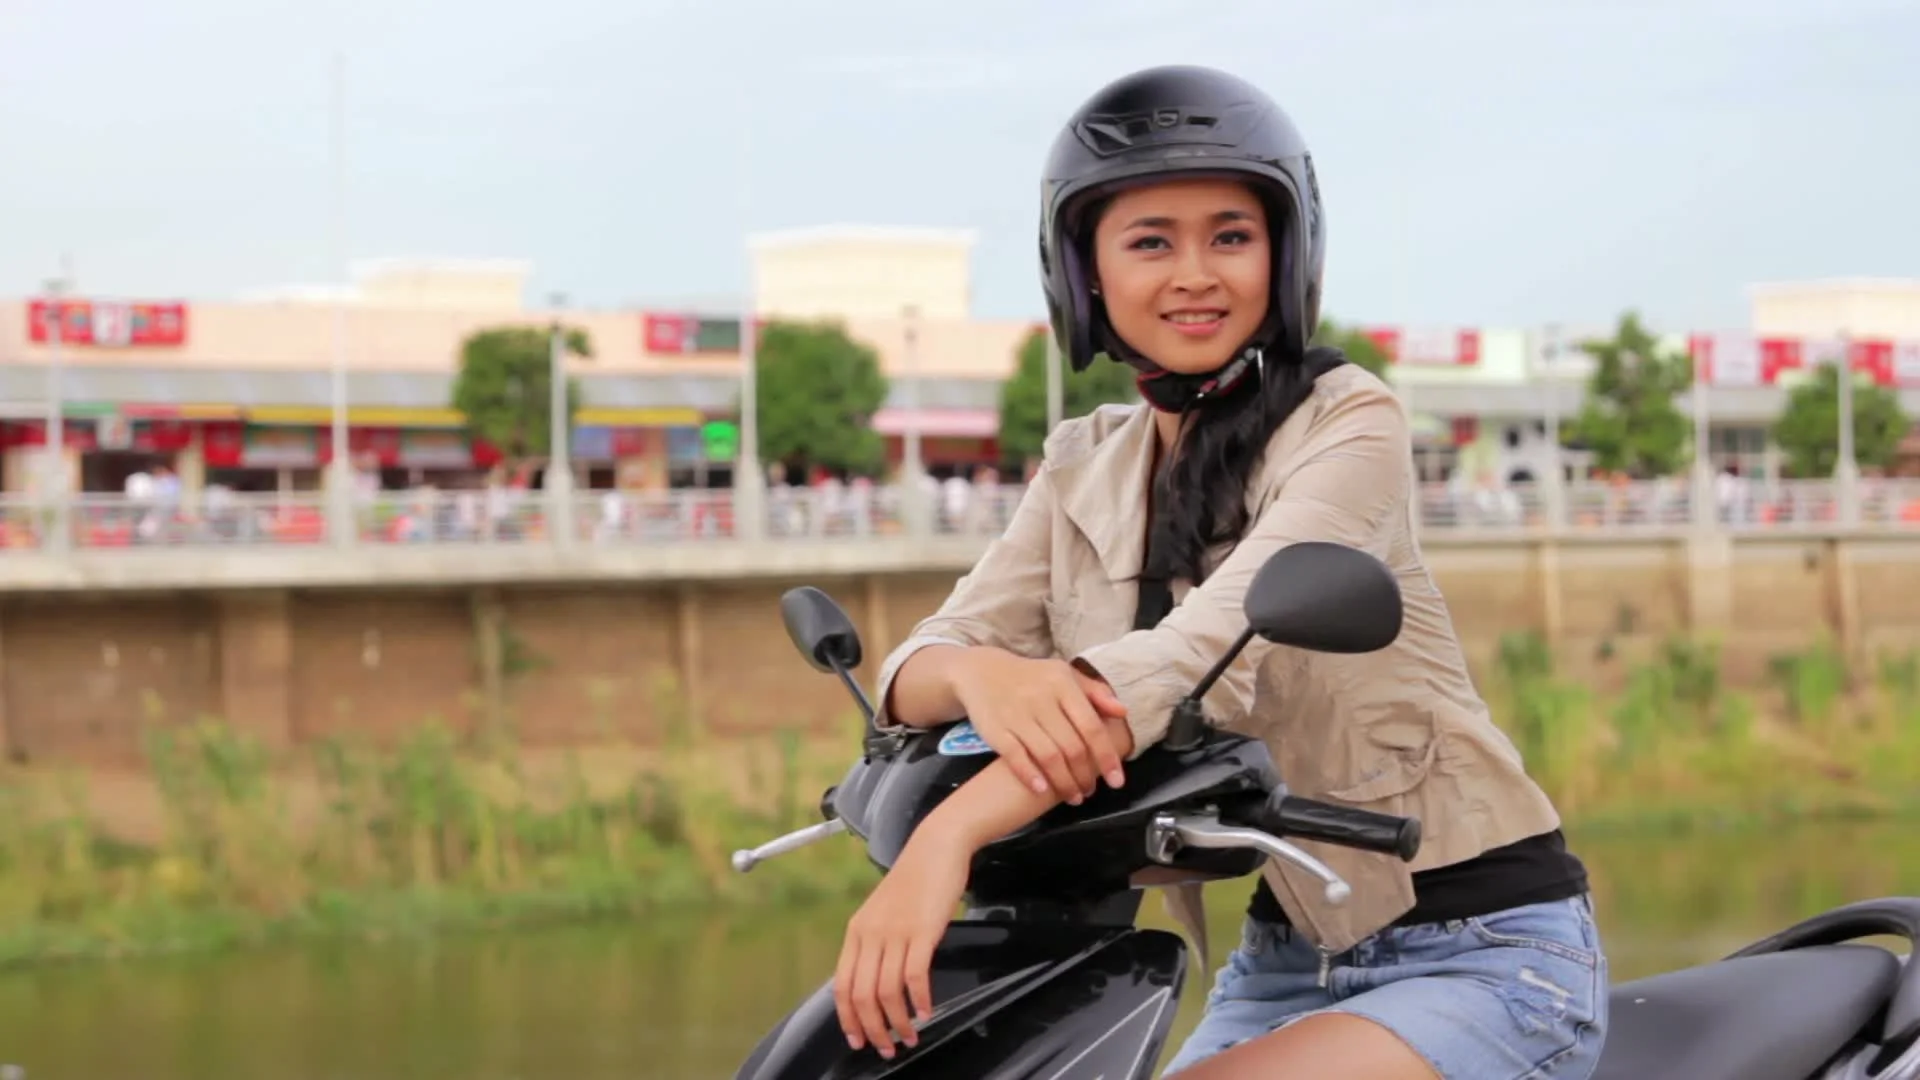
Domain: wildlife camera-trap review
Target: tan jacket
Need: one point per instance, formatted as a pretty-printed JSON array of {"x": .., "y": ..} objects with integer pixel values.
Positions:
[{"x": 1401, "y": 730}]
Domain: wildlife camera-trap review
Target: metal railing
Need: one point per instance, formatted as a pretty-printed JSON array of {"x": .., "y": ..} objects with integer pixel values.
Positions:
[{"x": 114, "y": 522}]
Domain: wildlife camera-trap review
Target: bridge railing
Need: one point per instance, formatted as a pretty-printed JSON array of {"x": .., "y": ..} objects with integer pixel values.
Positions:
[{"x": 854, "y": 513}]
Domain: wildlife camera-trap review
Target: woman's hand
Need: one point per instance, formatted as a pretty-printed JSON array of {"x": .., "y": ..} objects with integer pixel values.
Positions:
[
  {"x": 1045, "y": 718},
  {"x": 885, "y": 961}
]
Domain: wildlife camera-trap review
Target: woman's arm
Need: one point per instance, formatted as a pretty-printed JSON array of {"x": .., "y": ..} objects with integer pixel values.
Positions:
[
  {"x": 999, "y": 604},
  {"x": 993, "y": 804},
  {"x": 883, "y": 980}
]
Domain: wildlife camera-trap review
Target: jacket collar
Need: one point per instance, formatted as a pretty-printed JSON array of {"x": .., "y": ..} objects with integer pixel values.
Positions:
[{"x": 1102, "y": 484}]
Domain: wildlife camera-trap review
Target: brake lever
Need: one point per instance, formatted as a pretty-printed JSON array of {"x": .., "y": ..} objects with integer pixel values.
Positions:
[{"x": 1168, "y": 833}]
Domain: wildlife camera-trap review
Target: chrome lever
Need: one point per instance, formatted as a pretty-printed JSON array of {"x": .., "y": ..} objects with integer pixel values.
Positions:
[
  {"x": 1168, "y": 833},
  {"x": 745, "y": 860}
]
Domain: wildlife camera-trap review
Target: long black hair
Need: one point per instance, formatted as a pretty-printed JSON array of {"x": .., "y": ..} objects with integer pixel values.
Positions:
[{"x": 1200, "y": 490}]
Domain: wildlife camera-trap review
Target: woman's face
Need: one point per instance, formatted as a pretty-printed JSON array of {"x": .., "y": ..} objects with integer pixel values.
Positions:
[{"x": 1185, "y": 269}]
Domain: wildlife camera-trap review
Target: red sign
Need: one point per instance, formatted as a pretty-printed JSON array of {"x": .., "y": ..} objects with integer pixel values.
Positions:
[
  {"x": 691, "y": 334},
  {"x": 109, "y": 323},
  {"x": 1427, "y": 348},
  {"x": 382, "y": 444},
  {"x": 223, "y": 443},
  {"x": 1740, "y": 359}
]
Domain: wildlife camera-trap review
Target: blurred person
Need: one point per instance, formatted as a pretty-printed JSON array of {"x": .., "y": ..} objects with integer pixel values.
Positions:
[{"x": 1189, "y": 244}]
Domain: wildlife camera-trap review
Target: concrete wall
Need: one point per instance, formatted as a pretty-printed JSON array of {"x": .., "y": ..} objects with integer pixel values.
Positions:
[{"x": 82, "y": 672}]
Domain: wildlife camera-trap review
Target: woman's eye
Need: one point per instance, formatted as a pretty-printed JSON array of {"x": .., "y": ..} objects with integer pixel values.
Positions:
[
  {"x": 1236, "y": 236},
  {"x": 1148, "y": 243}
]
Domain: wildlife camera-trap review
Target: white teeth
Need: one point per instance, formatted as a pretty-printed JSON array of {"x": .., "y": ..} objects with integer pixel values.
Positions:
[{"x": 1194, "y": 317}]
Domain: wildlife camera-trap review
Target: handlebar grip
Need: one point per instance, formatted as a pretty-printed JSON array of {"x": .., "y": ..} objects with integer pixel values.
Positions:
[{"x": 1310, "y": 819}]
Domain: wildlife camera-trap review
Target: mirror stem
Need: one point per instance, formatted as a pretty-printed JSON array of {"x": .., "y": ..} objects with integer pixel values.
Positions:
[
  {"x": 859, "y": 696},
  {"x": 1188, "y": 725}
]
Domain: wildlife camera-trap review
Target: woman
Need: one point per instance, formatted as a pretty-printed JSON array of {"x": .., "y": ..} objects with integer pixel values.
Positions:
[{"x": 1183, "y": 234}]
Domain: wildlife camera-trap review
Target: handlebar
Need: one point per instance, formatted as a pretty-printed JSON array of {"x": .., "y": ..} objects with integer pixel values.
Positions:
[
  {"x": 1310, "y": 819},
  {"x": 1281, "y": 815}
]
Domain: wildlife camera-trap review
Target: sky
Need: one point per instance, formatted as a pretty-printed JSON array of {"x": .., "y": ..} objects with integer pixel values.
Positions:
[{"x": 1484, "y": 162}]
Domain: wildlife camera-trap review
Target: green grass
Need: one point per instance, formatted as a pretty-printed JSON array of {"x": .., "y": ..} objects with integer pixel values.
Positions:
[{"x": 437, "y": 835}]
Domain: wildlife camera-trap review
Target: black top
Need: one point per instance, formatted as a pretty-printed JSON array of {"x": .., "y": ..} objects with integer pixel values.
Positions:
[{"x": 1531, "y": 871}]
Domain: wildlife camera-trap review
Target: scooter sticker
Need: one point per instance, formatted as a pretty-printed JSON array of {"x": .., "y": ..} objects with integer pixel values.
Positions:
[{"x": 963, "y": 741}]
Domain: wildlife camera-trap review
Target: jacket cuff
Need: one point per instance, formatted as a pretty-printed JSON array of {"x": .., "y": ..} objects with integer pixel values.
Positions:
[
  {"x": 1149, "y": 691},
  {"x": 883, "y": 718}
]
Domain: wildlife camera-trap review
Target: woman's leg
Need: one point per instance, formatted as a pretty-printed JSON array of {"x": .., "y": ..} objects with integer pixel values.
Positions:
[
  {"x": 1272, "y": 977},
  {"x": 1517, "y": 995}
]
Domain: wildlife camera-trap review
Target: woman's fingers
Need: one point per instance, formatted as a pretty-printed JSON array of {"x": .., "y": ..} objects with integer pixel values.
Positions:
[
  {"x": 843, "y": 991},
  {"x": 866, "y": 997},
  {"x": 1103, "y": 757},
  {"x": 892, "y": 989},
  {"x": 1066, "y": 737}
]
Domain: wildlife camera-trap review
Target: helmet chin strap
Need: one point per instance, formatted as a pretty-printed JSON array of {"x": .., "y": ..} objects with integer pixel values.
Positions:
[{"x": 1175, "y": 392}]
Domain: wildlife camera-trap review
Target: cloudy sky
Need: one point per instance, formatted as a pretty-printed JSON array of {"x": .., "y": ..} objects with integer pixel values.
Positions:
[{"x": 1485, "y": 161}]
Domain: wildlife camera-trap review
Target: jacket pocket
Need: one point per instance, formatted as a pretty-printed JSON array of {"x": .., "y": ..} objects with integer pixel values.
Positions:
[{"x": 1390, "y": 757}]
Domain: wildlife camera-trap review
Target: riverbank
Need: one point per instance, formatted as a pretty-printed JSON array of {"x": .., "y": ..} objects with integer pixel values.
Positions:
[{"x": 221, "y": 844}]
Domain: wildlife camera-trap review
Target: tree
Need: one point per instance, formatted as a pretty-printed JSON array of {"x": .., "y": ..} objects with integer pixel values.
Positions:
[
  {"x": 504, "y": 387},
  {"x": 1808, "y": 430},
  {"x": 1630, "y": 421},
  {"x": 1360, "y": 348},
  {"x": 1023, "y": 397},
  {"x": 817, "y": 392}
]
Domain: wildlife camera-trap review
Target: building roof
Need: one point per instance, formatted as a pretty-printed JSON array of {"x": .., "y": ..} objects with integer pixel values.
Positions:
[{"x": 884, "y": 234}]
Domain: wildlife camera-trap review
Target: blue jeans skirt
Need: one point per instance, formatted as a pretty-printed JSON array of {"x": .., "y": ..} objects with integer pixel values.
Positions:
[{"x": 1517, "y": 995}]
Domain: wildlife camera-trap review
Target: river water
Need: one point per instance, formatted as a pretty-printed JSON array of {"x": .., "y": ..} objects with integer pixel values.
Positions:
[{"x": 687, "y": 997}]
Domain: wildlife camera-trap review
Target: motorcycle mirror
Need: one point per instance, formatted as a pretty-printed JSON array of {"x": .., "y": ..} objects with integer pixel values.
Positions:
[
  {"x": 820, "y": 629},
  {"x": 1325, "y": 597}
]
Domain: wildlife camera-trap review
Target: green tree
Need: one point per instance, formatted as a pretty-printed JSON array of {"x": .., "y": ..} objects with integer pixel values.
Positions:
[
  {"x": 817, "y": 392},
  {"x": 1023, "y": 397},
  {"x": 1360, "y": 348},
  {"x": 504, "y": 387},
  {"x": 1808, "y": 430},
  {"x": 1630, "y": 419}
]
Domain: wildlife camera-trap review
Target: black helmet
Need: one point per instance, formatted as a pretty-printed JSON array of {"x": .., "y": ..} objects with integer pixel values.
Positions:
[{"x": 1172, "y": 120}]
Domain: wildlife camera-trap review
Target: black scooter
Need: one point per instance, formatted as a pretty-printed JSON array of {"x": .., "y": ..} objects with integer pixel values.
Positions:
[{"x": 1046, "y": 977}]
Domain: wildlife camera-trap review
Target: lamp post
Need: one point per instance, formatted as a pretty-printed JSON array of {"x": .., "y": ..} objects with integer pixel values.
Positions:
[
  {"x": 915, "y": 500},
  {"x": 1847, "y": 469},
  {"x": 341, "y": 523},
  {"x": 559, "y": 476},
  {"x": 59, "y": 534}
]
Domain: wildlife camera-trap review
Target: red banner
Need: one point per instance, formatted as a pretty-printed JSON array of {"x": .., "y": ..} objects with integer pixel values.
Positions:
[
  {"x": 75, "y": 434},
  {"x": 1741, "y": 359},
  {"x": 1427, "y": 348},
  {"x": 109, "y": 323}
]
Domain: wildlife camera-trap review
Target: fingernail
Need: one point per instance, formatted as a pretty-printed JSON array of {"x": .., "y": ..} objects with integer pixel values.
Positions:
[
  {"x": 1116, "y": 778},
  {"x": 1039, "y": 787},
  {"x": 853, "y": 1041},
  {"x": 1075, "y": 801}
]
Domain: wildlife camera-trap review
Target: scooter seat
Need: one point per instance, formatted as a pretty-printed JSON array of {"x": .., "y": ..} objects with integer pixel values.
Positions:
[{"x": 1776, "y": 1016}]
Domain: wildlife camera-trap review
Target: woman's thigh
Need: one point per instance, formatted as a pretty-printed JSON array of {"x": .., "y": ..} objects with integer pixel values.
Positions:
[
  {"x": 1517, "y": 994},
  {"x": 1270, "y": 979}
]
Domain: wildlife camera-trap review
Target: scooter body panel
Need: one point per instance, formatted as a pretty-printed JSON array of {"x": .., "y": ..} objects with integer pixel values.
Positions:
[{"x": 1014, "y": 1000}]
